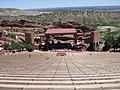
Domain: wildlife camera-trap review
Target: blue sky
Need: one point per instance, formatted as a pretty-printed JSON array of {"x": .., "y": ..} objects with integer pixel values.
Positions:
[{"x": 28, "y": 4}]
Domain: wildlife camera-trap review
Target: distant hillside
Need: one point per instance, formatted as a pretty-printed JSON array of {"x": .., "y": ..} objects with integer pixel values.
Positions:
[
  {"x": 79, "y": 8},
  {"x": 17, "y": 12},
  {"x": 88, "y": 17},
  {"x": 92, "y": 16}
]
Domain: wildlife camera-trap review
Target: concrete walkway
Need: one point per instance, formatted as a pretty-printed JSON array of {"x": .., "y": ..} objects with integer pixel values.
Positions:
[{"x": 60, "y": 71}]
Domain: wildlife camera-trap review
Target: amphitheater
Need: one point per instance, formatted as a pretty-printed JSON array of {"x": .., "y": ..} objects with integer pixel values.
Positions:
[{"x": 60, "y": 71}]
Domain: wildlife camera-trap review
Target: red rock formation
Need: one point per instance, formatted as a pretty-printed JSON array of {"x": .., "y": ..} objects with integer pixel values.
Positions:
[
  {"x": 19, "y": 23},
  {"x": 5, "y": 23},
  {"x": 76, "y": 25}
]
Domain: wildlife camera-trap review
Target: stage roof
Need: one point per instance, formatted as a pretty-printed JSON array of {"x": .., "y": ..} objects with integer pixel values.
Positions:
[{"x": 61, "y": 31}]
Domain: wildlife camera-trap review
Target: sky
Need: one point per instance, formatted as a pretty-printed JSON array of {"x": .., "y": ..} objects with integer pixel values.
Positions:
[{"x": 31, "y": 4}]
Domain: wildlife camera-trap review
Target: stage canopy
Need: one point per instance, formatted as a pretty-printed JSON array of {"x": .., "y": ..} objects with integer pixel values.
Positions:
[{"x": 61, "y": 31}]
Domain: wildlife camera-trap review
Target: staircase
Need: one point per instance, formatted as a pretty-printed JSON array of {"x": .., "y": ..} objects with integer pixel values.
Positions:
[
  {"x": 60, "y": 71},
  {"x": 76, "y": 82}
]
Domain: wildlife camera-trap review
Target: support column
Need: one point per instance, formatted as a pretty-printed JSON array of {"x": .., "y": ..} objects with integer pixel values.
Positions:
[
  {"x": 95, "y": 40},
  {"x": 46, "y": 43},
  {"x": 75, "y": 39},
  {"x": 96, "y": 46}
]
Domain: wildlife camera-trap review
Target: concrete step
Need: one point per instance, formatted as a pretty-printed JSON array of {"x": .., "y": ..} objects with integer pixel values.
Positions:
[
  {"x": 75, "y": 78},
  {"x": 72, "y": 75},
  {"x": 26, "y": 82},
  {"x": 60, "y": 78},
  {"x": 65, "y": 87}
]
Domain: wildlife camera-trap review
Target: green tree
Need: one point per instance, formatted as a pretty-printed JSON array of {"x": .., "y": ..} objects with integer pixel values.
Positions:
[
  {"x": 116, "y": 43},
  {"x": 29, "y": 47},
  {"x": 12, "y": 36},
  {"x": 20, "y": 46},
  {"x": 6, "y": 46},
  {"x": 109, "y": 40}
]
